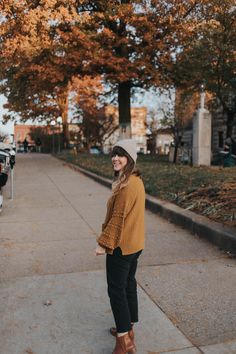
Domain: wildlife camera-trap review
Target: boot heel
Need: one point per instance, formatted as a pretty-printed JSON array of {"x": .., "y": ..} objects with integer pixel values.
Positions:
[
  {"x": 132, "y": 351},
  {"x": 124, "y": 345}
]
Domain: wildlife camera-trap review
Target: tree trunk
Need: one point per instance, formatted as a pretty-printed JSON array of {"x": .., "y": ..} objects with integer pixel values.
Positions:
[
  {"x": 65, "y": 128},
  {"x": 230, "y": 123},
  {"x": 177, "y": 141},
  {"x": 63, "y": 102},
  {"x": 175, "y": 152},
  {"x": 124, "y": 97}
]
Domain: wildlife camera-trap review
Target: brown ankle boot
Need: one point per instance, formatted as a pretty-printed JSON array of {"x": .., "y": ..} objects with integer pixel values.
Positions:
[
  {"x": 124, "y": 345},
  {"x": 113, "y": 332}
]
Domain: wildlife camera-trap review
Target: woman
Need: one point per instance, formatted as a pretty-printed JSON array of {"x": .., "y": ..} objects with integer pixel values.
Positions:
[{"x": 122, "y": 238}]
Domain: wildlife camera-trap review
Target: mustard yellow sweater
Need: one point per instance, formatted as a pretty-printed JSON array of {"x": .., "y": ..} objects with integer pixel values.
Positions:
[{"x": 124, "y": 222}]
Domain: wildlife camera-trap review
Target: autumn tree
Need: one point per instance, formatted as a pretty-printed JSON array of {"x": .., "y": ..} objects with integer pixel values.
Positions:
[
  {"x": 47, "y": 137},
  {"x": 135, "y": 42},
  {"x": 32, "y": 71},
  {"x": 209, "y": 57},
  {"x": 96, "y": 128},
  {"x": 94, "y": 122},
  {"x": 131, "y": 43},
  {"x": 177, "y": 111}
]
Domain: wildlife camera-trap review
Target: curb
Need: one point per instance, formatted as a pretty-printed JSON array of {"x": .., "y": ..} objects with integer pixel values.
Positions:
[{"x": 222, "y": 236}]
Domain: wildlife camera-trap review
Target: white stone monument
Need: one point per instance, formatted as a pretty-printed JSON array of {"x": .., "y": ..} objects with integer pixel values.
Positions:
[{"x": 202, "y": 135}]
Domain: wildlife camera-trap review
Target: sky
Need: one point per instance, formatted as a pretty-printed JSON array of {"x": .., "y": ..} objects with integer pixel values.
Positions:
[
  {"x": 9, "y": 128},
  {"x": 152, "y": 100}
]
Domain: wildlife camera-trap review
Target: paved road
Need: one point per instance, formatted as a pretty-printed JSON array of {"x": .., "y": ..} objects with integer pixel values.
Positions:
[{"x": 187, "y": 287}]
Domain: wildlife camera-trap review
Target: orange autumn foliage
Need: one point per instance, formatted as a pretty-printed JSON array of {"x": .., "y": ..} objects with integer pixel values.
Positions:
[{"x": 47, "y": 44}]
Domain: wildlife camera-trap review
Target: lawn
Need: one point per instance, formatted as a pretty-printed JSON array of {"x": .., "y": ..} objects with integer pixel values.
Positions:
[{"x": 209, "y": 191}]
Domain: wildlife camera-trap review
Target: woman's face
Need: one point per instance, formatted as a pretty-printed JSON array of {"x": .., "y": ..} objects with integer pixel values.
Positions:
[{"x": 119, "y": 162}]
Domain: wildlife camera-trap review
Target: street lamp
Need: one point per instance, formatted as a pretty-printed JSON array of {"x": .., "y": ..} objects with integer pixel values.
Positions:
[
  {"x": 59, "y": 121},
  {"x": 76, "y": 144},
  {"x": 53, "y": 123}
]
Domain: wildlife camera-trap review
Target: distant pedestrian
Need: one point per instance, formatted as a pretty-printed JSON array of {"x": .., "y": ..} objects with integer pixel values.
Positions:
[
  {"x": 38, "y": 143},
  {"x": 122, "y": 239},
  {"x": 25, "y": 144}
]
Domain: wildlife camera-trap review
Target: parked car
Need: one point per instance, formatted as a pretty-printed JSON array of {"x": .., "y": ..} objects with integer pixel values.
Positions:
[
  {"x": 20, "y": 148},
  {"x": 7, "y": 161},
  {"x": 95, "y": 150}
]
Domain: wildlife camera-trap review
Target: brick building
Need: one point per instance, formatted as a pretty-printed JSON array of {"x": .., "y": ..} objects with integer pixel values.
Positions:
[{"x": 22, "y": 132}]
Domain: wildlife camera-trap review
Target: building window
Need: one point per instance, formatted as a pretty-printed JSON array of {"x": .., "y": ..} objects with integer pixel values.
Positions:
[{"x": 221, "y": 139}]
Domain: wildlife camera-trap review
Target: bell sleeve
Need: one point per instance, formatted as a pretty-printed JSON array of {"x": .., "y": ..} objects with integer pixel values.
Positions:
[{"x": 112, "y": 230}]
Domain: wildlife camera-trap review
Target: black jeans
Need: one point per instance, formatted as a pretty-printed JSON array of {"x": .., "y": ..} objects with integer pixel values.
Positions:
[{"x": 122, "y": 288}]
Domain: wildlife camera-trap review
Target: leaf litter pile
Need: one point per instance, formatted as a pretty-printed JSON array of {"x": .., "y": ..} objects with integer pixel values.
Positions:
[{"x": 217, "y": 202}]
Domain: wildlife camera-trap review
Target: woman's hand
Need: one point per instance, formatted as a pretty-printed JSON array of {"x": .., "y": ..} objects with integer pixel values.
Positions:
[{"x": 99, "y": 251}]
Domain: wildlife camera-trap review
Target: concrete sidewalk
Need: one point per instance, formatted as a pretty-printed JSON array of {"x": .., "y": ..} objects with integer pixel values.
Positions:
[{"x": 187, "y": 287}]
